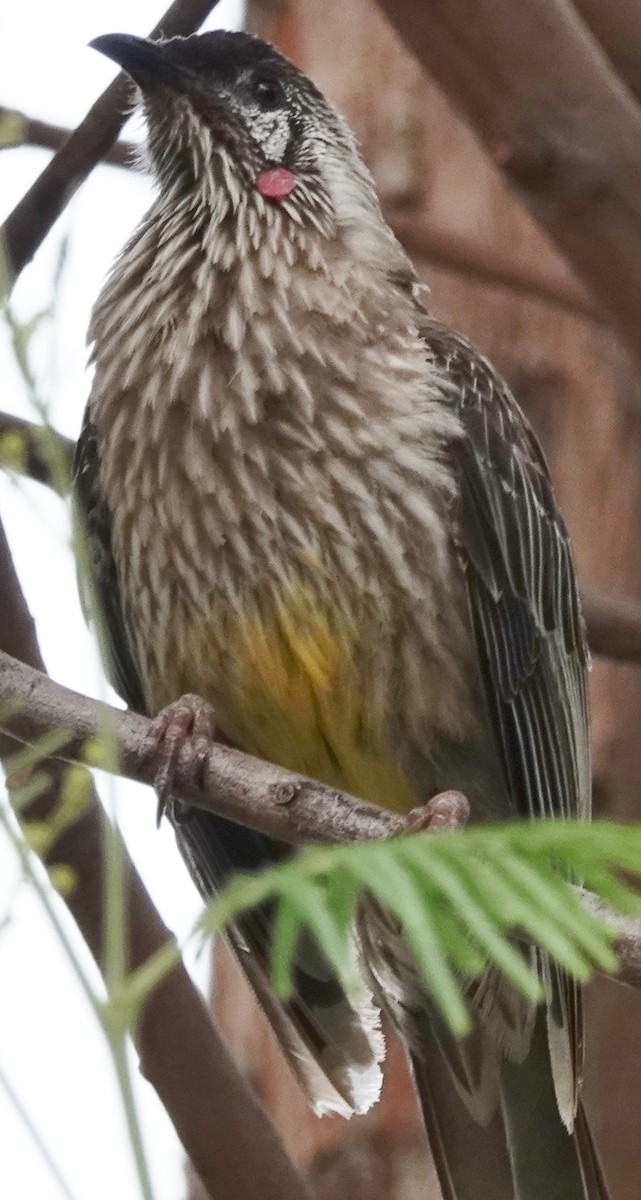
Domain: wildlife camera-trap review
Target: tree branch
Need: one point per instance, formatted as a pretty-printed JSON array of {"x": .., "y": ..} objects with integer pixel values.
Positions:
[
  {"x": 628, "y": 942},
  {"x": 279, "y": 803},
  {"x": 19, "y": 129},
  {"x": 542, "y": 95},
  {"x": 246, "y": 790},
  {"x": 224, "y": 1130},
  {"x": 32, "y": 218},
  {"x": 37, "y": 451}
]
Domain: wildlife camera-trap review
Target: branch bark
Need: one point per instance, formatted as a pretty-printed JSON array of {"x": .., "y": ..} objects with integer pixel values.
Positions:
[
  {"x": 27, "y": 226},
  {"x": 628, "y": 942},
  {"x": 279, "y": 803},
  {"x": 542, "y": 95},
  {"x": 224, "y": 1130}
]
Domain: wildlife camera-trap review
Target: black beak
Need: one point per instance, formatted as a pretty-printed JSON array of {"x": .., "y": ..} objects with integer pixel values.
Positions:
[{"x": 145, "y": 61}]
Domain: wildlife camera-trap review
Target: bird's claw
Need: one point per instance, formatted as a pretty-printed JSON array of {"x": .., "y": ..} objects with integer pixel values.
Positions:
[
  {"x": 444, "y": 812},
  {"x": 186, "y": 724}
]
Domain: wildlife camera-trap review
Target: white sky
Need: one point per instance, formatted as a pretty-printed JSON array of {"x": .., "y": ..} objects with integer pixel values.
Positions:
[{"x": 51, "y": 1049}]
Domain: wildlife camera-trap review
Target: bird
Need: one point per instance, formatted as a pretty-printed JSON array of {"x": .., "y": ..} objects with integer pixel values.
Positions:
[{"x": 315, "y": 512}]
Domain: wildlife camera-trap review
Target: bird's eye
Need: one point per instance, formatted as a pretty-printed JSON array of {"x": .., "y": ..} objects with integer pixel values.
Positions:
[{"x": 269, "y": 93}]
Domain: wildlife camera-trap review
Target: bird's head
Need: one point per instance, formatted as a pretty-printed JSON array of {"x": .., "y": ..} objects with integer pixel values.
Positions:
[{"x": 236, "y": 125}]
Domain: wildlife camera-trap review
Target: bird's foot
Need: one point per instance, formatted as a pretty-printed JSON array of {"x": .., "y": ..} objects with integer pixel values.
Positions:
[
  {"x": 444, "y": 812},
  {"x": 188, "y": 724}
]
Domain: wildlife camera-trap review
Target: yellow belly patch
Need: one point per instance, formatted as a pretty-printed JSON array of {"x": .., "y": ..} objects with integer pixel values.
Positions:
[{"x": 285, "y": 689}]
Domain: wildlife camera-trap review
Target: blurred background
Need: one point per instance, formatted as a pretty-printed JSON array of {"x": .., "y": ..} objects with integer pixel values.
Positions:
[{"x": 494, "y": 276}]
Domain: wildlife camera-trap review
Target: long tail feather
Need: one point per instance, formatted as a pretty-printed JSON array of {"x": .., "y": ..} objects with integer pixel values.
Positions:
[
  {"x": 548, "y": 1160},
  {"x": 471, "y": 1160},
  {"x": 524, "y": 1152}
]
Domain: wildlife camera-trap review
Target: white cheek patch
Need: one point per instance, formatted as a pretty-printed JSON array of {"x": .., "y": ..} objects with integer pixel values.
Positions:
[{"x": 271, "y": 130}]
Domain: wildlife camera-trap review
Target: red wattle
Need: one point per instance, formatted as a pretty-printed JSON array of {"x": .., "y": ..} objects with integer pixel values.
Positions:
[{"x": 276, "y": 183}]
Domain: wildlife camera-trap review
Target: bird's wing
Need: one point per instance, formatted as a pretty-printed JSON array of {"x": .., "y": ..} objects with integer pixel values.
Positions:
[
  {"x": 97, "y": 576},
  {"x": 522, "y": 591},
  {"x": 332, "y": 1042},
  {"x": 526, "y": 623},
  {"x": 521, "y": 583}
]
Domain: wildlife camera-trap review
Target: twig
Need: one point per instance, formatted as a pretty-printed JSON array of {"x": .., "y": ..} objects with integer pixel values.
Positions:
[
  {"x": 36, "y": 451},
  {"x": 32, "y": 218},
  {"x": 541, "y": 94},
  {"x": 628, "y": 943},
  {"x": 19, "y": 129},
  {"x": 223, "y": 1128}
]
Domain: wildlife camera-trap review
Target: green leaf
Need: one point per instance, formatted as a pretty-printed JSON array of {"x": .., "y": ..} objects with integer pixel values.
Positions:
[
  {"x": 308, "y": 901},
  {"x": 13, "y": 451},
  {"x": 615, "y": 893},
  {"x": 50, "y": 743},
  {"x": 465, "y": 953},
  {"x": 23, "y": 794},
  {"x": 395, "y": 888},
  {"x": 460, "y": 900},
  {"x": 13, "y": 128},
  {"x": 342, "y": 893},
  {"x": 541, "y": 889},
  {"x": 521, "y": 914},
  {"x": 287, "y": 927},
  {"x": 63, "y": 879},
  {"x": 485, "y": 921},
  {"x": 138, "y": 985}
]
